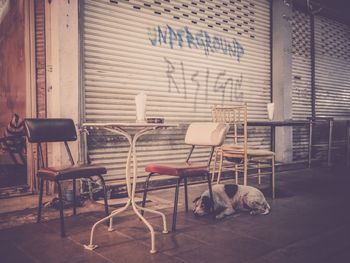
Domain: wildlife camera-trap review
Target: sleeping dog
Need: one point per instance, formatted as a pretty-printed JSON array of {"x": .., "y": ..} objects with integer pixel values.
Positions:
[{"x": 229, "y": 198}]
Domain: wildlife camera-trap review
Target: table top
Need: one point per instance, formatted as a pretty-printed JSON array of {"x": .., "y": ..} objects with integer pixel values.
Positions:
[
  {"x": 278, "y": 123},
  {"x": 127, "y": 124},
  {"x": 146, "y": 124}
]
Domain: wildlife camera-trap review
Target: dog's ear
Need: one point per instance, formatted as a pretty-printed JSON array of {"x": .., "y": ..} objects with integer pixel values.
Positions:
[
  {"x": 219, "y": 209},
  {"x": 231, "y": 189},
  {"x": 196, "y": 199},
  {"x": 206, "y": 201}
]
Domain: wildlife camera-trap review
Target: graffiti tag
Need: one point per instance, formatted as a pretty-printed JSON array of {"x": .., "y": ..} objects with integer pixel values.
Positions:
[
  {"x": 197, "y": 40},
  {"x": 229, "y": 87}
]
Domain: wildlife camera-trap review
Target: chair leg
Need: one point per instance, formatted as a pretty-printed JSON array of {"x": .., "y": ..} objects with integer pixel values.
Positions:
[
  {"x": 186, "y": 194},
  {"x": 236, "y": 173},
  {"x": 273, "y": 191},
  {"x": 245, "y": 172},
  {"x": 259, "y": 173},
  {"x": 74, "y": 197},
  {"x": 104, "y": 194},
  {"x": 41, "y": 190},
  {"x": 210, "y": 194},
  {"x": 63, "y": 234},
  {"x": 90, "y": 189},
  {"x": 214, "y": 165},
  {"x": 145, "y": 191},
  {"x": 176, "y": 199},
  {"x": 221, "y": 160}
]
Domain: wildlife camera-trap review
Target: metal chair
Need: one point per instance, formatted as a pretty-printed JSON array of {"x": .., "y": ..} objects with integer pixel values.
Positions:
[
  {"x": 239, "y": 152},
  {"x": 60, "y": 130},
  {"x": 198, "y": 134}
]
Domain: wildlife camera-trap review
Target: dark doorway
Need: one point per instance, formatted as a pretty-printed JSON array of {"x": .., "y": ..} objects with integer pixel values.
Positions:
[{"x": 12, "y": 94}]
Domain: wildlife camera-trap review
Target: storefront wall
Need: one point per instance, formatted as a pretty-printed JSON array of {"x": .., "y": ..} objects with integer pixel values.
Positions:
[
  {"x": 331, "y": 82},
  {"x": 301, "y": 82},
  {"x": 186, "y": 56},
  {"x": 332, "y": 67}
]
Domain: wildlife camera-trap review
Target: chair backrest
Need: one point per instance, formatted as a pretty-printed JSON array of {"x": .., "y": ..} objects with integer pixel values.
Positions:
[
  {"x": 50, "y": 130},
  {"x": 206, "y": 133},
  {"x": 236, "y": 117}
]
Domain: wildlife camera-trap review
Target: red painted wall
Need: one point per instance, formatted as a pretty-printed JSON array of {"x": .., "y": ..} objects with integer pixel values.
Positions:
[{"x": 12, "y": 64}]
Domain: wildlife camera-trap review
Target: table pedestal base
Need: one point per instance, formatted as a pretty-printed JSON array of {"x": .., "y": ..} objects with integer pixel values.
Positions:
[
  {"x": 90, "y": 247},
  {"x": 136, "y": 209},
  {"x": 117, "y": 128}
]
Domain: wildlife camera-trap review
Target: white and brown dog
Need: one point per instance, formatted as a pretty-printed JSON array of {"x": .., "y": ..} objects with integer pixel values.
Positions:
[{"x": 229, "y": 198}]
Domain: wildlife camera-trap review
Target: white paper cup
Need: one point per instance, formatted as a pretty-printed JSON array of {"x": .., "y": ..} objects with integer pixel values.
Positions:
[
  {"x": 270, "y": 110},
  {"x": 140, "y": 101},
  {"x": 140, "y": 113}
]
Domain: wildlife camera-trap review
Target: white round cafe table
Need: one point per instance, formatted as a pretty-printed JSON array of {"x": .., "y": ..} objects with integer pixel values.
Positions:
[{"x": 131, "y": 131}]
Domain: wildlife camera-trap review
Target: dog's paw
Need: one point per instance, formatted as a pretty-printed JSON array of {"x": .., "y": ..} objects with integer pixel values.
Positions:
[
  {"x": 267, "y": 211},
  {"x": 254, "y": 213},
  {"x": 259, "y": 212},
  {"x": 220, "y": 216}
]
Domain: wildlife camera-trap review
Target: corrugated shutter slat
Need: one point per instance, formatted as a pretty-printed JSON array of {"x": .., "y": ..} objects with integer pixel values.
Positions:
[{"x": 186, "y": 55}]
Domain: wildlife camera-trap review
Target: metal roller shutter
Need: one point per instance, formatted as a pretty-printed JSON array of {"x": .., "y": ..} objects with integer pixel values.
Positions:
[
  {"x": 332, "y": 63},
  {"x": 332, "y": 78},
  {"x": 301, "y": 72},
  {"x": 186, "y": 56}
]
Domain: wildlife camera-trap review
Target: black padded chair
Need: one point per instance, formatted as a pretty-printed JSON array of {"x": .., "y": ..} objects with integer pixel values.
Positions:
[{"x": 60, "y": 130}]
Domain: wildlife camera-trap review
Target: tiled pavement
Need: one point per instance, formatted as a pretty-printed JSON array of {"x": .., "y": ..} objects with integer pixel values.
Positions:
[{"x": 309, "y": 222}]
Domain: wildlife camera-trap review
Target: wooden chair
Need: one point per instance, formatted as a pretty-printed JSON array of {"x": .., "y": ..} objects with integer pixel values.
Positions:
[
  {"x": 60, "y": 130},
  {"x": 206, "y": 134},
  {"x": 239, "y": 152}
]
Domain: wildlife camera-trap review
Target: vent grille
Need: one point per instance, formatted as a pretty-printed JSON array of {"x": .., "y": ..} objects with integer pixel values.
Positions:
[
  {"x": 301, "y": 34},
  {"x": 335, "y": 39},
  {"x": 240, "y": 16},
  {"x": 301, "y": 82}
]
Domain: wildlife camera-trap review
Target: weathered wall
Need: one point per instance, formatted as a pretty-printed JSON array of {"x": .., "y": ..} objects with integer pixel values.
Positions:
[
  {"x": 62, "y": 58},
  {"x": 40, "y": 55},
  {"x": 282, "y": 76},
  {"x": 12, "y": 64}
]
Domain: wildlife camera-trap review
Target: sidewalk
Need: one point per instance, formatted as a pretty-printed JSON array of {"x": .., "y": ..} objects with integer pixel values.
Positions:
[{"x": 309, "y": 222}]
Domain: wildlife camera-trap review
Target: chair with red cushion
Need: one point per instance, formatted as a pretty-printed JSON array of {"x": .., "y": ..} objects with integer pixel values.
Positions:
[
  {"x": 208, "y": 134},
  {"x": 60, "y": 130}
]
